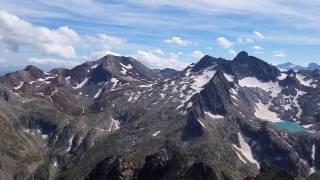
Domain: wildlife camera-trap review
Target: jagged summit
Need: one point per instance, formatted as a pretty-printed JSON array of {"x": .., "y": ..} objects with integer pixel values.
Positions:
[
  {"x": 243, "y": 55},
  {"x": 205, "y": 62}
]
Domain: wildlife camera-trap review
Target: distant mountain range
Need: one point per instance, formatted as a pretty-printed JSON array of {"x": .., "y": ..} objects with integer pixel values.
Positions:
[
  {"x": 288, "y": 66},
  {"x": 7, "y": 69}
]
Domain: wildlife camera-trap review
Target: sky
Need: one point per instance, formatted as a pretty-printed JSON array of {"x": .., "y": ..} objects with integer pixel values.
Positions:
[{"x": 159, "y": 33}]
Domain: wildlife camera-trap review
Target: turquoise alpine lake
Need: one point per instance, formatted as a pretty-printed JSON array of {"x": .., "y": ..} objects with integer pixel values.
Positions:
[{"x": 290, "y": 126}]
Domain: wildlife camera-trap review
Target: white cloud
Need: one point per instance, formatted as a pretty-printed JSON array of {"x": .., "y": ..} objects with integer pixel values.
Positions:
[
  {"x": 258, "y": 52},
  {"x": 154, "y": 60},
  {"x": 51, "y": 62},
  {"x": 245, "y": 40},
  {"x": 197, "y": 54},
  {"x": 15, "y": 32},
  {"x": 99, "y": 54},
  {"x": 279, "y": 53},
  {"x": 249, "y": 40},
  {"x": 232, "y": 52},
  {"x": 178, "y": 41},
  {"x": 104, "y": 41},
  {"x": 224, "y": 42},
  {"x": 158, "y": 51},
  {"x": 240, "y": 40},
  {"x": 258, "y": 35},
  {"x": 2, "y": 61},
  {"x": 258, "y": 48}
]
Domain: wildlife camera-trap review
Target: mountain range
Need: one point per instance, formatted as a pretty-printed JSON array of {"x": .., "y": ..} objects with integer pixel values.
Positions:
[
  {"x": 287, "y": 66},
  {"x": 114, "y": 118}
]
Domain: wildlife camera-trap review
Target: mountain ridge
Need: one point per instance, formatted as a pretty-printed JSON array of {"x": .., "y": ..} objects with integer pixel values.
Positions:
[{"x": 214, "y": 119}]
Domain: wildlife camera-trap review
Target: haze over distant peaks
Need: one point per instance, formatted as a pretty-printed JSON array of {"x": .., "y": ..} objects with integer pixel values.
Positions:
[{"x": 291, "y": 66}]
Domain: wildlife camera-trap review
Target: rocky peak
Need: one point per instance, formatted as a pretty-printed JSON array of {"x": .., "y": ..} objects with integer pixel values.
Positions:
[
  {"x": 243, "y": 55},
  {"x": 34, "y": 71},
  {"x": 168, "y": 72},
  {"x": 205, "y": 62},
  {"x": 313, "y": 66},
  {"x": 245, "y": 65},
  {"x": 125, "y": 66},
  {"x": 61, "y": 72}
]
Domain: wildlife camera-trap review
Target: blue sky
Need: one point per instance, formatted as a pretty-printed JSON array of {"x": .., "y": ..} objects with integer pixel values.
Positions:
[{"x": 160, "y": 33}]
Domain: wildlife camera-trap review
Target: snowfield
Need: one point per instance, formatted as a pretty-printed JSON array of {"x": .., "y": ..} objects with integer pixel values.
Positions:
[
  {"x": 263, "y": 112},
  {"x": 252, "y": 82}
]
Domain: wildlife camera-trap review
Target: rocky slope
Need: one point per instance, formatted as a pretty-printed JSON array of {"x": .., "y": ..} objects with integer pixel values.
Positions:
[{"x": 115, "y": 118}]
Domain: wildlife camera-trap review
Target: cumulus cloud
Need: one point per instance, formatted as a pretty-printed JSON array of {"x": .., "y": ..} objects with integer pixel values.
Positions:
[
  {"x": 15, "y": 32},
  {"x": 258, "y": 35},
  {"x": 232, "y": 52},
  {"x": 224, "y": 42},
  {"x": 99, "y": 54},
  {"x": 197, "y": 54},
  {"x": 259, "y": 48},
  {"x": 158, "y": 51},
  {"x": 249, "y": 40},
  {"x": 154, "y": 60},
  {"x": 279, "y": 53},
  {"x": 178, "y": 41},
  {"x": 245, "y": 40},
  {"x": 105, "y": 41},
  {"x": 51, "y": 62}
]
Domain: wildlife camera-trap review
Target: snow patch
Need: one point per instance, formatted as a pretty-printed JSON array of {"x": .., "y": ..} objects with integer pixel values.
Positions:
[
  {"x": 115, "y": 82},
  {"x": 307, "y": 126},
  {"x": 19, "y": 86},
  {"x": 129, "y": 66},
  {"x": 156, "y": 133},
  {"x": 228, "y": 77},
  {"x": 98, "y": 93},
  {"x": 312, "y": 170},
  {"x": 123, "y": 70},
  {"x": 282, "y": 76},
  {"x": 162, "y": 95},
  {"x": 245, "y": 150},
  {"x": 313, "y": 153},
  {"x": 145, "y": 86},
  {"x": 189, "y": 105},
  {"x": 240, "y": 157},
  {"x": 44, "y": 136},
  {"x": 81, "y": 84},
  {"x": 70, "y": 143},
  {"x": 201, "y": 123},
  {"x": 115, "y": 124},
  {"x": 94, "y": 66},
  {"x": 252, "y": 82},
  {"x": 214, "y": 116},
  {"x": 262, "y": 112},
  {"x": 303, "y": 81},
  {"x": 52, "y": 94},
  {"x": 202, "y": 79}
]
